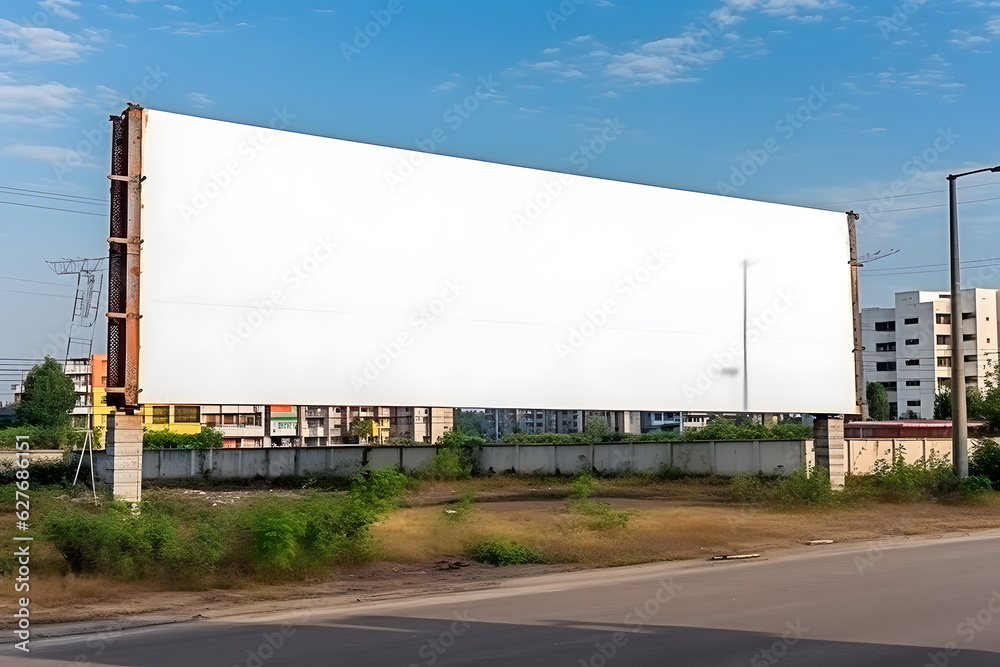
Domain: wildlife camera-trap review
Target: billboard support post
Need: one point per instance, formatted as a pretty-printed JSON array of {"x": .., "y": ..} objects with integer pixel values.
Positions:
[
  {"x": 859, "y": 376},
  {"x": 125, "y": 241}
]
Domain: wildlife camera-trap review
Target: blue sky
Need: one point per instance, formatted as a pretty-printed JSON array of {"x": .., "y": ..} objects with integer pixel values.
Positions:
[{"x": 823, "y": 103}]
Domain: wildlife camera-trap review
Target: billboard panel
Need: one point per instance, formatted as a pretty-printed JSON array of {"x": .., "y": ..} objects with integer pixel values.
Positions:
[{"x": 307, "y": 270}]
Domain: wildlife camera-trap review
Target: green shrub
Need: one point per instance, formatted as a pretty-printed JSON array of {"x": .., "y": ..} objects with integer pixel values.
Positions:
[
  {"x": 46, "y": 473},
  {"x": 503, "y": 552},
  {"x": 808, "y": 485},
  {"x": 582, "y": 487},
  {"x": 899, "y": 481},
  {"x": 277, "y": 534},
  {"x": 975, "y": 486},
  {"x": 116, "y": 540},
  {"x": 985, "y": 460},
  {"x": 447, "y": 465},
  {"x": 747, "y": 488},
  {"x": 206, "y": 438}
]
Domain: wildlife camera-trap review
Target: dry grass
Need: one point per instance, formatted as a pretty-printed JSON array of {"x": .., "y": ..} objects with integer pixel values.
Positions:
[{"x": 662, "y": 529}]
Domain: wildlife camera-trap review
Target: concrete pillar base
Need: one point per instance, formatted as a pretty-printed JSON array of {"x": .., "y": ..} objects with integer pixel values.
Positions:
[
  {"x": 831, "y": 450},
  {"x": 124, "y": 456}
]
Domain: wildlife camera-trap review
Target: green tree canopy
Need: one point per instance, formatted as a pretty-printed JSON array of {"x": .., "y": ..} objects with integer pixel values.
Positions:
[
  {"x": 878, "y": 401},
  {"x": 362, "y": 429},
  {"x": 48, "y": 397}
]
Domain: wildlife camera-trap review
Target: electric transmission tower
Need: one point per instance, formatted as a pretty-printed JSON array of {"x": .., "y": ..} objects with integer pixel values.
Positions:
[{"x": 80, "y": 341}]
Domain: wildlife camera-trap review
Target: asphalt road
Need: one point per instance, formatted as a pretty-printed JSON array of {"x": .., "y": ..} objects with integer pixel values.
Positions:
[{"x": 920, "y": 603}]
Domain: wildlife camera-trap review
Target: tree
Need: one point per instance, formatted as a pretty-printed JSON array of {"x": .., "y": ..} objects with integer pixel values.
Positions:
[
  {"x": 878, "y": 401},
  {"x": 472, "y": 422},
  {"x": 362, "y": 429},
  {"x": 48, "y": 397},
  {"x": 597, "y": 428}
]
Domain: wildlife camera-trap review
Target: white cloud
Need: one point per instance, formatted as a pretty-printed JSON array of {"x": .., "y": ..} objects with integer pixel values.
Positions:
[
  {"x": 41, "y": 153},
  {"x": 36, "y": 104},
  {"x": 173, "y": 8},
  {"x": 60, "y": 8},
  {"x": 199, "y": 99},
  {"x": 30, "y": 44},
  {"x": 448, "y": 84}
]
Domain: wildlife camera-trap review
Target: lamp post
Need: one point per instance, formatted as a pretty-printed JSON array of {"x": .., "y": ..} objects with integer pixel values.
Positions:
[{"x": 959, "y": 419}]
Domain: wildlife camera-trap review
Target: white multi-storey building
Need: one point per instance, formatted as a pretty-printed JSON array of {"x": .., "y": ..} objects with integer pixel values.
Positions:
[{"x": 908, "y": 348}]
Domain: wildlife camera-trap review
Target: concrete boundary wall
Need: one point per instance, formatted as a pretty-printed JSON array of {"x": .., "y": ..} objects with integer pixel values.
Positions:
[
  {"x": 725, "y": 458},
  {"x": 862, "y": 453}
]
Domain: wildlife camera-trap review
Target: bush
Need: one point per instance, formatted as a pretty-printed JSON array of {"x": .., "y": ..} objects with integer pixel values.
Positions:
[
  {"x": 503, "y": 552},
  {"x": 809, "y": 485},
  {"x": 47, "y": 473},
  {"x": 447, "y": 465},
  {"x": 206, "y": 438},
  {"x": 747, "y": 488},
  {"x": 172, "y": 540},
  {"x": 985, "y": 461},
  {"x": 56, "y": 437},
  {"x": 582, "y": 487},
  {"x": 975, "y": 486},
  {"x": 899, "y": 481}
]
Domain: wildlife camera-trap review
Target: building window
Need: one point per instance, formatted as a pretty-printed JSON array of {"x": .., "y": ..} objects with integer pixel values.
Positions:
[
  {"x": 971, "y": 336},
  {"x": 968, "y": 316},
  {"x": 187, "y": 414},
  {"x": 969, "y": 357},
  {"x": 912, "y": 403},
  {"x": 885, "y": 326},
  {"x": 942, "y": 318},
  {"x": 885, "y": 347},
  {"x": 910, "y": 320},
  {"x": 161, "y": 414},
  {"x": 913, "y": 383},
  {"x": 970, "y": 379},
  {"x": 913, "y": 341},
  {"x": 943, "y": 340},
  {"x": 889, "y": 386},
  {"x": 885, "y": 366},
  {"x": 944, "y": 362},
  {"x": 912, "y": 362}
]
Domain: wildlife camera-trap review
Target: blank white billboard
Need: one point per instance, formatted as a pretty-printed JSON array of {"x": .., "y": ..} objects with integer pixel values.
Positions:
[{"x": 293, "y": 269}]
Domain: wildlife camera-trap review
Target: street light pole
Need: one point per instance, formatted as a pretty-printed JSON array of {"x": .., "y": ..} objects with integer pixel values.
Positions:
[{"x": 959, "y": 417}]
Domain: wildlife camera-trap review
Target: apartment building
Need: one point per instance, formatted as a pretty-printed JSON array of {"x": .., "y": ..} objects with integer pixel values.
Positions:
[
  {"x": 908, "y": 348},
  {"x": 528, "y": 420}
]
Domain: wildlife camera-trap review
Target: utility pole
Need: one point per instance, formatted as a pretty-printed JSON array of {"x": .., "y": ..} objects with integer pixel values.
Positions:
[{"x": 959, "y": 416}]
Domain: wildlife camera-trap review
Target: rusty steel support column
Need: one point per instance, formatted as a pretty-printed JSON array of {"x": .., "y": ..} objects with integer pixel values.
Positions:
[{"x": 125, "y": 241}]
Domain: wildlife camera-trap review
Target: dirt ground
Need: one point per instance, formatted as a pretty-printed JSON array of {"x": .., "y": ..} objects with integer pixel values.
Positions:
[{"x": 422, "y": 548}]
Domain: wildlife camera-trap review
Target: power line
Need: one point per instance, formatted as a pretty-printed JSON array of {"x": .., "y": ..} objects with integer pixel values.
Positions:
[
  {"x": 51, "y": 208},
  {"x": 917, "y": 208},
  {"x": 17, "y": 291},
  {"x": 65, "y": 199},
  {"x": 49, "y": 192},
  {"x": 40, "y": 282},
  {"x": 924, "y": 266},
  {"x": 911, "y": 194}
]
